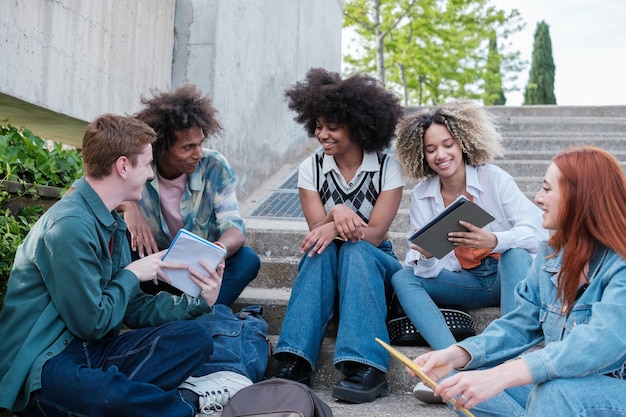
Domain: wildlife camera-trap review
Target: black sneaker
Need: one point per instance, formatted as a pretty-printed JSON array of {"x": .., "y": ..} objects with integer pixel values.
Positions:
[
  {"x": 363, "y": 384},
  {"x": 292, "y": 367}
]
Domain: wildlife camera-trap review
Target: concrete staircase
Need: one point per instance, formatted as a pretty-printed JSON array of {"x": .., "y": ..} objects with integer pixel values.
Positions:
[{"x": 533, "y": 135}]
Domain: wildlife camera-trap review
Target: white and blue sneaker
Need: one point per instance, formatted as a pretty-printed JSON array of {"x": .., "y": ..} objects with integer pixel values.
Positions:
[{"x": 216, "y": 389}]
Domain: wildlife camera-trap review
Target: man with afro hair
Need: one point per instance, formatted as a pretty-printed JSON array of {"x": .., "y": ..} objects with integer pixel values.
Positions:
[{"x": 193, "y": 188}]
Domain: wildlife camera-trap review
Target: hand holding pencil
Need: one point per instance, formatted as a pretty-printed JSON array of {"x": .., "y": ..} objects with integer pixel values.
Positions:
[{"x": 418, "y": 371}]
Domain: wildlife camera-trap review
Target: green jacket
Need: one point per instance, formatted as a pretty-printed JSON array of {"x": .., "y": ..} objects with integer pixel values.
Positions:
[{"x": 66, "y": 284}]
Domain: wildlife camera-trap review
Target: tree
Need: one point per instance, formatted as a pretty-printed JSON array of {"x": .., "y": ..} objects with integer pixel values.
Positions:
[
  {"x": 379, "y": 18},
  {"x": 494, "y": 94},
  {"x": 428, "y": 50},
  {"x": 540, "y": 87}
]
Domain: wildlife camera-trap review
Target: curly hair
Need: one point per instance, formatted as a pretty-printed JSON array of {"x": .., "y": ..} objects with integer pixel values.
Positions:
[
  {"x": 468, "y": 123},
  {"x": 360, "y": 103},
  {"x": 167, "y": 113}
]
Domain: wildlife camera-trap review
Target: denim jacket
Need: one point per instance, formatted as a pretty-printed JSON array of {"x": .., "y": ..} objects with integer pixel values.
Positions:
[{"x": 590, "y": 340}]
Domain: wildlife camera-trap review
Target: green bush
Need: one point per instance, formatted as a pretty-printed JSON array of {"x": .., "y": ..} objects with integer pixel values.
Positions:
[
  {"x": 32, "y": 161},
  {"x": 25, "y": 157},
  {"x": 13, "y": 228}
]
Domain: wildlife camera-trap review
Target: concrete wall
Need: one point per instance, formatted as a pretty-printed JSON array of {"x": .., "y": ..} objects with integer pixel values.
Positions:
[
  {"x": 244, "y": 54},
  {"x": 72, "y": 60},
  {"x": 82, "y": 58}
]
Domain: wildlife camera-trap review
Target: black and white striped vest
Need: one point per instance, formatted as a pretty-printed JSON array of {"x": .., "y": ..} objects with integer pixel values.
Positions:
[{"x": 361, "y": 199}]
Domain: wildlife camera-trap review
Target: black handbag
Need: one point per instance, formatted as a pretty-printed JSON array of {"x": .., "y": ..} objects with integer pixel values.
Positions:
[{"x": 403, "y": 333}]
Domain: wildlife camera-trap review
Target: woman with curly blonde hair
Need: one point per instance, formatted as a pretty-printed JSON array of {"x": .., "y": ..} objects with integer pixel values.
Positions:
[{"x": 449, "y": 147}]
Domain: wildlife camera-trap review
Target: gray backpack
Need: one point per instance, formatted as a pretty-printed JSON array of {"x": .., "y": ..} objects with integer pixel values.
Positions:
[{"x": 276, "y": 397}]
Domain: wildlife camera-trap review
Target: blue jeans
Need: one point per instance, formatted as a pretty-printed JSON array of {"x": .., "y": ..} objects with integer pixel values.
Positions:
[
  {"x": 356, "y": 276},
  {"x": 490, "y": 284},
  {"x": 241, "y": 268},
  {"x": 134, "y": 374},
  {"x": 589, "y": 396}
]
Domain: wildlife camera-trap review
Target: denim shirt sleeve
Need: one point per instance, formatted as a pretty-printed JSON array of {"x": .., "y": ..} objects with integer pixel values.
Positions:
[
  {"x": 591, "y": 340},
  {"x": 512, "y": 334}
]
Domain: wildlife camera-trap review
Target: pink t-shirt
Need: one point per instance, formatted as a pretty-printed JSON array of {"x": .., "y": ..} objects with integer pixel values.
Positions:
[{"x": 170, "y": 196}]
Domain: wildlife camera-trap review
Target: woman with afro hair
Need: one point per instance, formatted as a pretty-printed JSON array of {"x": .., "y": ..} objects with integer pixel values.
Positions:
[
  {"x": 350, "y": 193},
  {"x": 448, "y": 149}
]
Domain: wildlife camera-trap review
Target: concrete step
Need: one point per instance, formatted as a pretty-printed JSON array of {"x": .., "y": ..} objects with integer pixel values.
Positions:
[
  {"x": 547, "y": 125},
  {"x": 274, "y": 301},
  {"x": 552, "y": 144},
  {"x": 398, "y": 404},
  {"x": 283, "y": 246},
  {"x": 325, "y": 374},
  {"x": 274, "y": 239},
  {"x": 537, "y": 155},
  {"x": 528, "y": 168},
  {"x": 551, "y": 111},
  {"x": 558, "y": 111}
]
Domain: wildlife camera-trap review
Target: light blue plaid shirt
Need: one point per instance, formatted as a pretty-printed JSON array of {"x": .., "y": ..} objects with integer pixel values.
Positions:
[{"x": 208, "y": 206}]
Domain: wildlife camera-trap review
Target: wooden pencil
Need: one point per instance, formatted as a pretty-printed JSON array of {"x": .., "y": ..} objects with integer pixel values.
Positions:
[{"x": 418, "y": 371}]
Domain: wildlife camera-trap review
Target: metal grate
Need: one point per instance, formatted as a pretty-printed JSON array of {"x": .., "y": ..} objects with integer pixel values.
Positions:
[
  {"x": 283, "y": 202},
  {"x": 291, "y": 183}
]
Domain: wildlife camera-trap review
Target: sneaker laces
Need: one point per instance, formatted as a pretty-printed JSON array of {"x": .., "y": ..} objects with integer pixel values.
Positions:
[{"x": 213, "y": 401}]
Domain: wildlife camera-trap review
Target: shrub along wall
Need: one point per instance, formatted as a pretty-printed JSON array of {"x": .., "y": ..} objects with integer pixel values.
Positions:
[{"x": 33, "y": 175}]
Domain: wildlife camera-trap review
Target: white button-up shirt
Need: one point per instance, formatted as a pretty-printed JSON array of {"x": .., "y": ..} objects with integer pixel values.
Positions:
[{"x": 517, "y": 221}]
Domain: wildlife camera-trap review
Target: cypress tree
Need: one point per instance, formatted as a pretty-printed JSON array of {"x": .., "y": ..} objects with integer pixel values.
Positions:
[
  {"x": 494, "y": 93},
  {"x": 540, "y": 87}
]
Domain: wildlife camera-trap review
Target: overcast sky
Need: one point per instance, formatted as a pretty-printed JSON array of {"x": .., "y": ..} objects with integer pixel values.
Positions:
[{"x": 588, "y": 47}]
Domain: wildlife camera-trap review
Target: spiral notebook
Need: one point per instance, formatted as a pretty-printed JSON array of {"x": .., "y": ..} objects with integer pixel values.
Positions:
[
  {"x": 189, "y": 248},
  {"x": 433, "y": 237}
]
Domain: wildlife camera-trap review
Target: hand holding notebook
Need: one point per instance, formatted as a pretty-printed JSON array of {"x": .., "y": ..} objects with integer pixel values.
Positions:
[
  {"x": 433, "y": 237},
  {"x": 188, "y": 248}
]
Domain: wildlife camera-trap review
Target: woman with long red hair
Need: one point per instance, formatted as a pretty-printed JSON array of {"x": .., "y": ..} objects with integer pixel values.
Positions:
[{"x": 573, "y": 300}]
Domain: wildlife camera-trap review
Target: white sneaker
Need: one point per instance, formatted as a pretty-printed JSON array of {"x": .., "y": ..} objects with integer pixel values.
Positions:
[
  {"x": 425, "y": 394},
  {"x": 216, "y": 389}
]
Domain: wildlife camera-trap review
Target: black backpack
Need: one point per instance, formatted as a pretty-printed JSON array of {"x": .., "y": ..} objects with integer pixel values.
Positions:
[{"x": 276, "y": 397}]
